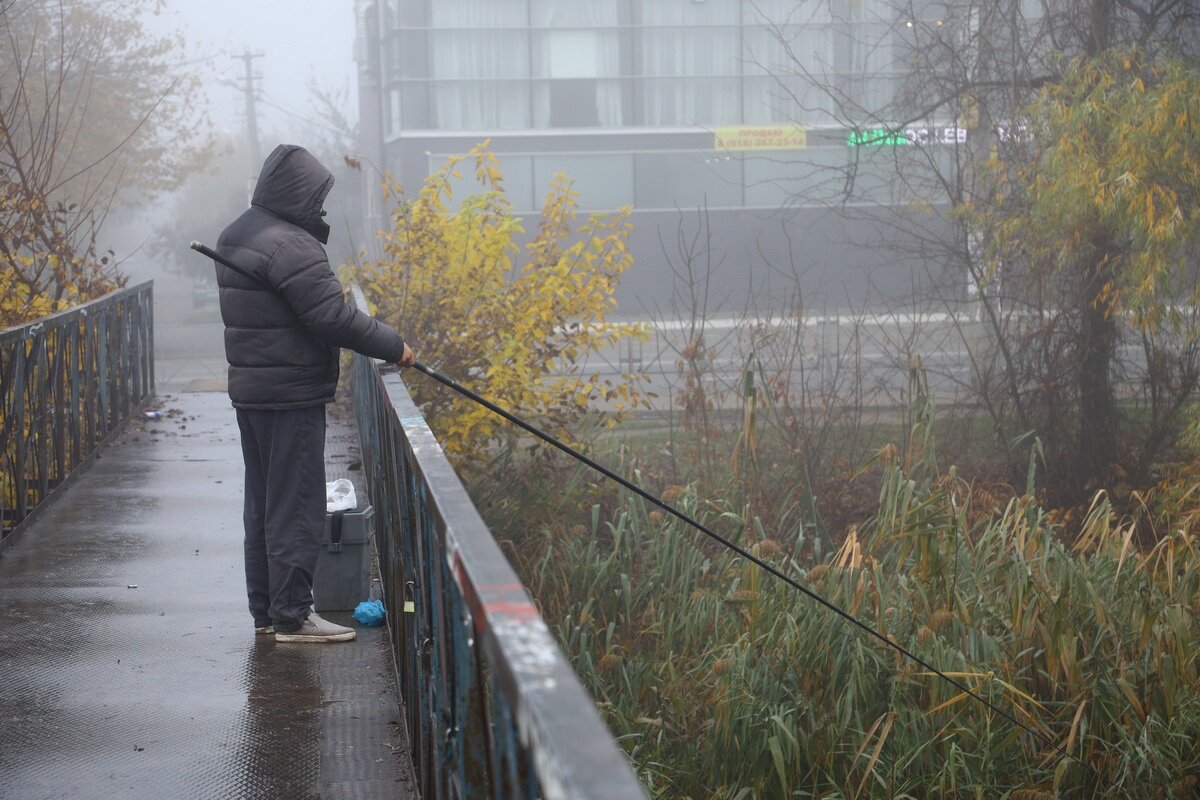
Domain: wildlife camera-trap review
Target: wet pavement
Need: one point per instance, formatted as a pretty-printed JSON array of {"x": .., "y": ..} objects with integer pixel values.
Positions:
[{"x": 129, "y": 663}]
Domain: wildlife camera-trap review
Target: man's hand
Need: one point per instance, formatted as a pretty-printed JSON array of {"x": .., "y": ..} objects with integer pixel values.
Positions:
[{"x": 408, "y": 359}]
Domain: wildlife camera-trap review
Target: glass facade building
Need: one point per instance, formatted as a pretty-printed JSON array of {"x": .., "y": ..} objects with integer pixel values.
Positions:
[{"x": 660, "y": 105}]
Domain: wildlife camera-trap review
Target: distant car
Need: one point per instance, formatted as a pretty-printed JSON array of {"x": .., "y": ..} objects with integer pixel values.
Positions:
[{"x": 204, "y": 294}]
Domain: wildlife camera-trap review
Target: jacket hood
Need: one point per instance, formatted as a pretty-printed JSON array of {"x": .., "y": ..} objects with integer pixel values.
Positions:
[{"x": 293, "y": 186}]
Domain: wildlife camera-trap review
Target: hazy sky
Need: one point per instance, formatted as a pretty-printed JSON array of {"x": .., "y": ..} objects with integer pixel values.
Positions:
[{"x": 298, "y": 38}]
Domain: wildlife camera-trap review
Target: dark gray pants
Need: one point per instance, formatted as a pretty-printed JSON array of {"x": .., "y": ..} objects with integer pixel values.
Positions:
[{"x": 284, "y": 512}]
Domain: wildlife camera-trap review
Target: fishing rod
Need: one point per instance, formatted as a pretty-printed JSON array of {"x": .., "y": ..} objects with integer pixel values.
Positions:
[
  {"x": 220, "y": 259},
  {"x": 670, "y": 509}
]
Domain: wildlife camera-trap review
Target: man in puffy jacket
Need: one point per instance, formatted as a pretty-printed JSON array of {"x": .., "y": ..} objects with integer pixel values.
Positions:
[{"x": 283, "y": 331}]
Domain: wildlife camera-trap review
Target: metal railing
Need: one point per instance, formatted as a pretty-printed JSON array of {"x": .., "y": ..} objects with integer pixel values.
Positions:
[
  {"x": 68, "y": 381},
  {"x": 493, "y": 708}
]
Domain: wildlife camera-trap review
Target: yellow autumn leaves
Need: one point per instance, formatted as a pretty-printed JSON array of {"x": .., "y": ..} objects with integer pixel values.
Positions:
[
  {"x": 44, "y": 267},
  {"x": 513, "y": 322}
]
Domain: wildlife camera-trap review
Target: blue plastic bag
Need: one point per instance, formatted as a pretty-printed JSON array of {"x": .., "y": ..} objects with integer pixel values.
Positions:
[{"x": 370, "y": 613}]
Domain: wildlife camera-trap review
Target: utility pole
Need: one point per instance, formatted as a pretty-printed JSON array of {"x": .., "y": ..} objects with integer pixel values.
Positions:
[{"x": 251, "y": 115}]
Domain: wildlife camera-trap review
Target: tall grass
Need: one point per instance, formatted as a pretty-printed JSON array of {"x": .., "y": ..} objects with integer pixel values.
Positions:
[{"x": 724, "y": 683}]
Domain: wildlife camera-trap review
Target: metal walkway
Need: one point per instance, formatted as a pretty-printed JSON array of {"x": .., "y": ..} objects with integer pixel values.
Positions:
[{"x": 129, "y": 663}]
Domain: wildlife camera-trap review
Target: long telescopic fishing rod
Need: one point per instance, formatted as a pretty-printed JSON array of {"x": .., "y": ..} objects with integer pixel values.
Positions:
[{"x": 665, "y": 506}]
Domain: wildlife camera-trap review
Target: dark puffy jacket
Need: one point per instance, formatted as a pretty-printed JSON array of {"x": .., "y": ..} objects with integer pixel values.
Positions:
[{"x": 282, "y": 342}]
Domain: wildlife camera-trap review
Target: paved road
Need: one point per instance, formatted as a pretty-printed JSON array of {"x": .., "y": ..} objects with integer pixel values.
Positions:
[
  {"x": 189, "y": 350},
  {"x": 834, "y": 360}
]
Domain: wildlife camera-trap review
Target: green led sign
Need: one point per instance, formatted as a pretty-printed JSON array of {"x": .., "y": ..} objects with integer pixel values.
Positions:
[
  {"x": 876, "y": 138},
  {"x": 884, "y": 137}
]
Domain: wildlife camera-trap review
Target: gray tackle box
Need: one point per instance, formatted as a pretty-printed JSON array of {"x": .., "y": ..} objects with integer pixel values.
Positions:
[{"x": 343, "y": 576}]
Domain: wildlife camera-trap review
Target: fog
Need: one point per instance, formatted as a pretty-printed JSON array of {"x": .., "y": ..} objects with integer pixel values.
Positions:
[
  {"x": 299, "y": 48},
  {"x": 776, "y": 157},
  {"x": 296, "y": 46},
  {"x": 300, "y": 41}
]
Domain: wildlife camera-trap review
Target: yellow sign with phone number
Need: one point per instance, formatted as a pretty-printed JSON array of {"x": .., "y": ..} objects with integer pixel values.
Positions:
[{"x": 761, "y": 137}]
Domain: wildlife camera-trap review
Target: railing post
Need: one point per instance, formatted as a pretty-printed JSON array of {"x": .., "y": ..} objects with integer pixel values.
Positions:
[
  {"x": 17, "y": 431},
  {"x": 74, "y": 367}
]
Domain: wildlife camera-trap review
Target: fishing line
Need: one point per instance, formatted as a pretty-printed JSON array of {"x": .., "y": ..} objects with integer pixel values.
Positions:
[
  {"x": 665, "y": 506},
  {"x": 743, "y": 552}
]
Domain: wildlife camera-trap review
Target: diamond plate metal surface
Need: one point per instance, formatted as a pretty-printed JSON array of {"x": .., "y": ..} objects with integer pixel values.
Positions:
[{"x": 128, "y": 660}]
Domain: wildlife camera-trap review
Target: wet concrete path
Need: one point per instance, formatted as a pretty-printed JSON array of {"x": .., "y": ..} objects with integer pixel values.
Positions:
[{"x": 129, "y": 665}]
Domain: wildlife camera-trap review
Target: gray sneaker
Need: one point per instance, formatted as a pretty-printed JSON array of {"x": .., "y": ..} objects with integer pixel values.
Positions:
[{"x": 317, "y": 630}]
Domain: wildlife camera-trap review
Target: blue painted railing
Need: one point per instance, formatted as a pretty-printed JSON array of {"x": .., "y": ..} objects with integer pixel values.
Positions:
[
  {"x": 493, "y": 708},
  {"x": 68, "y": 381}
]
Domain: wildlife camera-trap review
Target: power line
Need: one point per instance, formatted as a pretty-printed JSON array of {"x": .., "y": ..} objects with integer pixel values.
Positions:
[{"x": 299, "y": 116}]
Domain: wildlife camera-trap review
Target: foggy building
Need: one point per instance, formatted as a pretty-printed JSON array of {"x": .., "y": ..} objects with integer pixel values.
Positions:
[{"x": 669, "y": 106}]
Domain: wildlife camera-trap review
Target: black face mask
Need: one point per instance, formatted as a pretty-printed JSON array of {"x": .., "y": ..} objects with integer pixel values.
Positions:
[{"x": 320, "y": 229}]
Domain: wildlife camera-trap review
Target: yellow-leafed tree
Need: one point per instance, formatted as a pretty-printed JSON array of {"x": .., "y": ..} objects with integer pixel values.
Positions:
[
  {"x": 1103, "y": 217},
  {"x": 512, "y": 323},
  {"x": 93, "y": 108}
]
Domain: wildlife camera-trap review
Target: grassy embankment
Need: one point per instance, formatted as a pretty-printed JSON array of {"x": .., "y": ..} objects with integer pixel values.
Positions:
[{"x": 722, "y": 682}]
